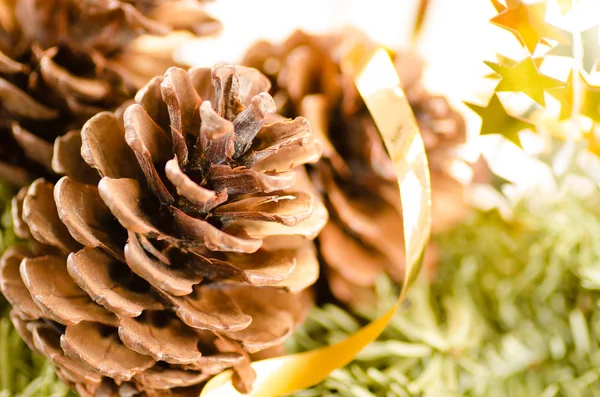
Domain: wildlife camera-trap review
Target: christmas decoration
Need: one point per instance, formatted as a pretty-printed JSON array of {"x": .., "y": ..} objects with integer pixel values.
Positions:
[
  {"x": 356, "y": 176},
  {"x": 61, "y": 62},
  {"x": 513, "y": 311},
  {"x": 495, "y": 120},
  {"x": 524, "y": 76},
  {"x": 379, "y": 86},
  {"x": 179, "y": 236},
  {"x": 191, "y": 252},
  {"x": 577, "y": 96},
  {"x": 527, "y": 22}
]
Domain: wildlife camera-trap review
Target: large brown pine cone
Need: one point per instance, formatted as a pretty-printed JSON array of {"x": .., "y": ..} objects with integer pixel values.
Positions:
[
  {"x": 184, "y": 249},
  {"x": 62, "y": 61},
  {"x": 356, "y": 176}
]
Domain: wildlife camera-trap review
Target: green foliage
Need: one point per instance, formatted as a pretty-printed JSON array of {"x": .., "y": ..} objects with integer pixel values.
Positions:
[{"x": 512, "y": 312}]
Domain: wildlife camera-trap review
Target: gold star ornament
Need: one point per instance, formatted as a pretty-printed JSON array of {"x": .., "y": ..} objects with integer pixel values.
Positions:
[
  {"x": 495, "y": 120},
  {"x": 590, "y": 105},
  {"x": 590, "y": 99},
  {"x": 506, "y": 61},
  {"x": 564, "y": 95},
  {"x": 524, "y": 77},
  {"x": 527, "y": 22},
  {"x": 593, "y": 142}
]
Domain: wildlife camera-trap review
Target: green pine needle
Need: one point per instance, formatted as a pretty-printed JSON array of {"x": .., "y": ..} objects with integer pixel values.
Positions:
[{"x": 513, "y": 311}]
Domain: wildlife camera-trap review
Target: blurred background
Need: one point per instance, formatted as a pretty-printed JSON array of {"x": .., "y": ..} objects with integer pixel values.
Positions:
[{"x": 456, "y": 38}]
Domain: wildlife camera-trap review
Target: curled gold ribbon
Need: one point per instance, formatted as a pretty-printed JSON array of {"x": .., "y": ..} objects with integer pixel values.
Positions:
[{"x": 379, "y": 85}]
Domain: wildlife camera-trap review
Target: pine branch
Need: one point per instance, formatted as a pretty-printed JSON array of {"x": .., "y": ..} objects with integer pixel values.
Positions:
[{"x": 512, "y": 312}]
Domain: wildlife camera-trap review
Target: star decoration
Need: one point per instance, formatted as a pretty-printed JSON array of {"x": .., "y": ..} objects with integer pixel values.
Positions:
[
  {"x": 564, "y": 95},
  {"x": 527, "y": 22},
  {"x": 495, "y": 120},
  {"x": 506, "y": 61},
  {"x": 590, "y": 104},
  {"x": 524, "y": 77},
  {"x": 591, "y": 47},
  {"x": 590, "y": 99},
  {"x": 498, "y": 5},
  {"x": 593, "y": 142}
]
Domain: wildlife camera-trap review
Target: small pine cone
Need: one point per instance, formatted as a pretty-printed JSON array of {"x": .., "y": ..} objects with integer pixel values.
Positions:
[
  {"x": 61, "y": 62},
  {"x": 188, "y": 247},
  {"x": 356, "y": 176}
]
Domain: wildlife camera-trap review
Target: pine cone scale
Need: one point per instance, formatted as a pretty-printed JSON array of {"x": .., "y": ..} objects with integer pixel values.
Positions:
[
  {"x": 17, "y": 102},
  {"x": 16, "y": 211},
  {"x": 201, "y": 199},
  {"x": 209, "y": 308},
  {"x": 60, "y": 298},
  {"x": 13, "y": 287},
  {"x": 175, "y": 281},
  {"x": 47, "y": 340},
  {"x": 163, "y": 338},
  {"x": 42, "y": 219},
  {"x": 95, "y": 272},
  {"x": 81, "y": 209},
  {"x": 124, "y": 198},
  {"x": 69, "y": 85},
  {"x": 166, "y": 379},
  {"x": 100, "y": 349},
  {"x": 183, "y": 103},
  {"x": 35, "y": 148},
  {"x": 104, "y": 148},
  {"x": 14, "y": 175},
  {"x": 10, "y": 66}
]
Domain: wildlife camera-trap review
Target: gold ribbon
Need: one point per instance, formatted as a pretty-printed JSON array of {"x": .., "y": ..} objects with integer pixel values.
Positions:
[{"x": 379, "y": 85}]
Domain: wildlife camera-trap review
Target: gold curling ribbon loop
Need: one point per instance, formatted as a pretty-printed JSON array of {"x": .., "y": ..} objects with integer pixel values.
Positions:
[{"x": 378, "y": 84}]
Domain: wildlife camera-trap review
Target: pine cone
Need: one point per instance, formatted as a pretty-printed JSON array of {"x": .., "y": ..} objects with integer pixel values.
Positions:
[
  {"x": 62, "y": 61},
  {"x": 107, "y": 26},
  {"x": 185, "y": 250},
  {"x": 356, "y": 176}
]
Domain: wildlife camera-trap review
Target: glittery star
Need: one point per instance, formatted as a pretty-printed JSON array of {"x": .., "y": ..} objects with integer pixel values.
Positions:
[
  {"x": 527, "y": 22},
  {"x": 495, "y": 120},
  {"x": 524, "y": 77}
]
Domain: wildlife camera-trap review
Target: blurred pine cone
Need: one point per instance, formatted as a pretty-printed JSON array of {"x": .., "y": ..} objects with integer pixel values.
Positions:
[
  {"x": 356, "y": 176},
  {"x": 183, "y": 250},
  {"x": 62, "y": 61}
]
